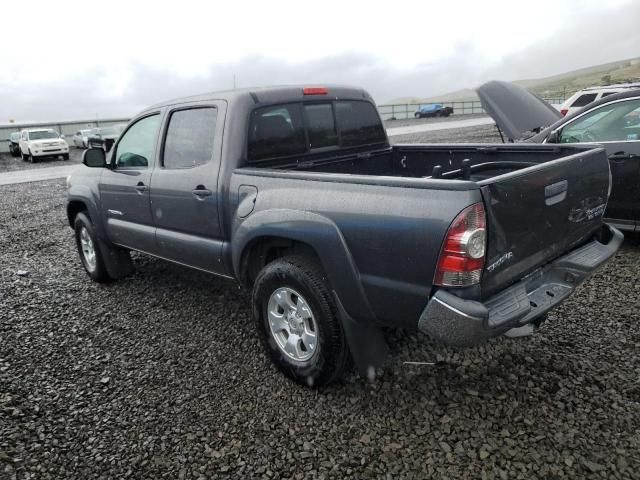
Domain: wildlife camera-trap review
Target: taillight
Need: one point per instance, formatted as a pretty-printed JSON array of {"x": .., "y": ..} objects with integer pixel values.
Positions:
[
  {"x": 315, "y": 91},
  {"x": 462, "y": 256},
  {"x": 564, "y": 111}
]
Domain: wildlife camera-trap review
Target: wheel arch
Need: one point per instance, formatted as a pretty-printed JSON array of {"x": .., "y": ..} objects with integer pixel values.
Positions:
[
  {"x": 270, "y": 234},
  {"x": 81, "y": 198},
  {"x": 74, "y": 207}
]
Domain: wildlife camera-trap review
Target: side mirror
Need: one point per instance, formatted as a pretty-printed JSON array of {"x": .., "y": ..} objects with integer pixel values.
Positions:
[
  {"x": 554, "y": 137},
  {"x": 94, "y": 158}
]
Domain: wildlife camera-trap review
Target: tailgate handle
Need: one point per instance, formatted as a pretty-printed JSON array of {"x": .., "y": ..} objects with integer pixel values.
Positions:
[{"x": 555, "y": 193}]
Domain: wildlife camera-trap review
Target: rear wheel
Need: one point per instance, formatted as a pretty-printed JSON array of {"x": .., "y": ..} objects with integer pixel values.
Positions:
[
  {"x": 296, "y": 318},
  {"x": 89, "y": 250}
]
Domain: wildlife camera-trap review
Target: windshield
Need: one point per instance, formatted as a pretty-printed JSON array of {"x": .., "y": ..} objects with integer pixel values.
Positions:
[
  {"x": 610, "y": 123},
  {"x": 42, "y": 134}
]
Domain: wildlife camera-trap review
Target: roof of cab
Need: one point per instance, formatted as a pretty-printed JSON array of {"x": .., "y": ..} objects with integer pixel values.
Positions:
[{"x": 272, "y": 94}]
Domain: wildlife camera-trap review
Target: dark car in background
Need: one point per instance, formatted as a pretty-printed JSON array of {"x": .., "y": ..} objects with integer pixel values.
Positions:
[
  {"x": 104, "y": 137},
  {"x": 14, "y": 144},
  {"x": 433, "y": 110},
  {"x": 613, "y": 122}
]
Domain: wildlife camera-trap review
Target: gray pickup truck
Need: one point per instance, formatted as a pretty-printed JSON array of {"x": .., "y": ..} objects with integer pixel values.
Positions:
[{"x": 296, "y": 193}]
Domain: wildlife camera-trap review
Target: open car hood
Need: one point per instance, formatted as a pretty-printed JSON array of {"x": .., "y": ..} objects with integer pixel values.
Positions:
[{"x": 515, "y": 110}]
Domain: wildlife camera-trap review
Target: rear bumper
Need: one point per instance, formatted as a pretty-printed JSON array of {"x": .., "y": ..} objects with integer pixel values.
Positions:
[{"x": 457, "y": 321}]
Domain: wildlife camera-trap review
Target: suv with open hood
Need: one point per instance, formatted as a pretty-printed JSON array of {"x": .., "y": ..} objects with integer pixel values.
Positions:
[{"x": 613, "y": 122}]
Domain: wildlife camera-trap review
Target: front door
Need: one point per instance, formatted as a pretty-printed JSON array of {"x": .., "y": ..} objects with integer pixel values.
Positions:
[
  {"x": 124, "y": 187},
  {"x": 616, "y": 126},
  {"x": 184, "y": 188}
]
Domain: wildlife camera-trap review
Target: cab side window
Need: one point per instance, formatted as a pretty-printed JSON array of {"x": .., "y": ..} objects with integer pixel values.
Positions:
[
  {"x": 190, "y": 136},
  {"x": 610, "y": 123},
  {"x": 137, "y": 145}
]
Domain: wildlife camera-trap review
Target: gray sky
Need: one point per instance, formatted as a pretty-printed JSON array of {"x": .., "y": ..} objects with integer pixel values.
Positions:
[{"x": 135, "y": 53}]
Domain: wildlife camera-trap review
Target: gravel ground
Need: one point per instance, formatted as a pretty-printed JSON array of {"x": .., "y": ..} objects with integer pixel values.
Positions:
[
  {"x": 9, "y": 163},
  {"x": 161, "y": 376},
  {"x": 482, "y": 134},
  {"x": 418, "y": 121}
]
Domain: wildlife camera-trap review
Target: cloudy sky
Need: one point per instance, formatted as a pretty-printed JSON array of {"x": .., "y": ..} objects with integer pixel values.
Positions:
[{"x": 77, "y": 60}]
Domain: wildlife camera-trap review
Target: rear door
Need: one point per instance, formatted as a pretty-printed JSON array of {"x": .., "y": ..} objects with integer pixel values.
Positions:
[
  {"x": 184, "y": 187},
  {"x": 616, "y": 126},
  {"x": 536, "y": 214},
  {"x": 124, "y": 188}
]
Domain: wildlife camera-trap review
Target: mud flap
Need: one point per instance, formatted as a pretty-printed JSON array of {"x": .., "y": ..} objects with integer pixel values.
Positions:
[
  {"x": 116, "y": 260},
  {"x": 366, "y": 342}
]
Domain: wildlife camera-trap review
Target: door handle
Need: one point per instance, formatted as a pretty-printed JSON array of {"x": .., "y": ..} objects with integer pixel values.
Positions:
[
  {"x": 201, "y": 192},
  {"x": 141, "y": 187},
  {"x": 556, "y": 192}
]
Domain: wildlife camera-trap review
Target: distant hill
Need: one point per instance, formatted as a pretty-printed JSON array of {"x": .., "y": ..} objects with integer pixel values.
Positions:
[{"x": 562, "y": 85}]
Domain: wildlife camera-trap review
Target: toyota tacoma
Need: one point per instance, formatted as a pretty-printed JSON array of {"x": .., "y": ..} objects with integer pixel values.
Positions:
[{"x": 297, "y": 194}]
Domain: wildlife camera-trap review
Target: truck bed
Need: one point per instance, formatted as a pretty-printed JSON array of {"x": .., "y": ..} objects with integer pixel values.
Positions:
[
  {"x": 541, "y": 200},
  {"x": 454, "y": 162}
]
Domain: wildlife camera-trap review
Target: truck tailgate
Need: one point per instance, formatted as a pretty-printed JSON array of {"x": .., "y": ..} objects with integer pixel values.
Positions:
[{"x": 536, "y": 214}]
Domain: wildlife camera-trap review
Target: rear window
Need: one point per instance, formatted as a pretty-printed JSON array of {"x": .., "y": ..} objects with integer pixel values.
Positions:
[
  {"x": 585, "y": 99},
  {"x": 276, "y": 132},
  {"x": 321, "y": 125},
  {"x": 298, "y": 128},
  {"x": 359, "y": 124}
]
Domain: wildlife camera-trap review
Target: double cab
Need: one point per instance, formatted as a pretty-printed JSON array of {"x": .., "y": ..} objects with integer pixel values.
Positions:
[{"x": 297, "y": 194}]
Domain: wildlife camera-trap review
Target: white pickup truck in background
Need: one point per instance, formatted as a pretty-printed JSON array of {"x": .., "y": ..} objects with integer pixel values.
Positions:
[{"x": 40, "y": 143}]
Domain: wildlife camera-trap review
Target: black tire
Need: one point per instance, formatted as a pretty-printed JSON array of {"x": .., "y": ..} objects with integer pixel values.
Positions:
[
  {"x": 332, "y": 358},
  {"x": 97, "y": 272},
  {"x": 24, "y": 157},
  {"x": 417, "y": 115},
  {"x": 65, "y": 156},
  {"x": 31, "y": 158}
]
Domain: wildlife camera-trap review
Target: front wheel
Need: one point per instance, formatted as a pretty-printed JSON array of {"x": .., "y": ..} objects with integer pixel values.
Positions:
[
  {"x": 65, "y": 156},
  {"x": 89, "y": 250},
  {"x": 297, "y": 321}
]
